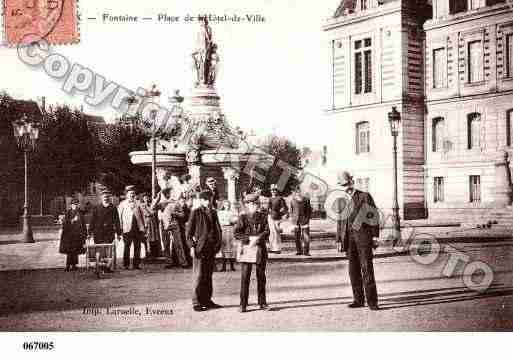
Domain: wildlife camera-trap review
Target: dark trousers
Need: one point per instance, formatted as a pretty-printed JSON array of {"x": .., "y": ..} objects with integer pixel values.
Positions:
[
  {"x": 202, "y": 269},
  {"x": 71, "y": 259},
  {"x": 245, "y": 279},
  {"x": 136, "y": 238},
  {"x": 166, "y": 239},
  {"x": 361, "y": 272},
  {"x": 302, "y": 234},
  {"x": 178, "y": 256}
]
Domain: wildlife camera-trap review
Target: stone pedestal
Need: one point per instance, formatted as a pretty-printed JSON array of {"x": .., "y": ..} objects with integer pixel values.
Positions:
[
  {"x": 231, "y": 176},
  {"x": 502, "y": 190}
]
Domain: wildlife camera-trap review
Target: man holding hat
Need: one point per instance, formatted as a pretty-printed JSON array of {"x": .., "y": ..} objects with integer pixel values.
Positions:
[
  {"x": 253, "y": 224},
  {"x": 104, "y": 220},
  {"x": 358, "y": 229},
  {"x": 203, "y": 236},
  {"x": 131, "y": 218}
]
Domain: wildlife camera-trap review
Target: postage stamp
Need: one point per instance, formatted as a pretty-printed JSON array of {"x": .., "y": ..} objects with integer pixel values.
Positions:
[{"x": 26, "y": 21}]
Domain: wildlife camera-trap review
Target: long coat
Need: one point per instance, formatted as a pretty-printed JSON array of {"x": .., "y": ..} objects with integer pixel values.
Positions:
[
  {"x": 254, "y": 224},
  {"x": 74, "y": 233},
  {"x": 204, "y": 232},
  {"x": 362, "y": 222},
  {"x": 300, "y": 211},
  {"x": 104, "y": 223}
]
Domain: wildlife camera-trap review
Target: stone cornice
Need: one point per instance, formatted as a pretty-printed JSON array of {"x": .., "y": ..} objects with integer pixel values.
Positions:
[{"x": 468, "y": 16}]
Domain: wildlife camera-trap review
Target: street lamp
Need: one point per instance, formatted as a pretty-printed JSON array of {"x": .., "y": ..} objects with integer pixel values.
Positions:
[
  {"x": 394, "y": 117},
  {"x": 26, "y": 133},
  {"x": 152, "y": 94}
]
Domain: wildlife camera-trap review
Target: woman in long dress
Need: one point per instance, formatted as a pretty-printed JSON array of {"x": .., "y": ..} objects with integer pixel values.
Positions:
[
  {"x": 227, "y": 219},
  {"x": 74, "y": 234}
]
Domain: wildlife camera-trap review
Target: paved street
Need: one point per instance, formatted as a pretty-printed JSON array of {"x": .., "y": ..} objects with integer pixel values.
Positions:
[{"x": 304, "y": 296}]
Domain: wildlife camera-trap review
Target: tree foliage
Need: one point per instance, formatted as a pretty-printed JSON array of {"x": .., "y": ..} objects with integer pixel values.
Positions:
[
  {"x": 113, "y": 144},
  {"x": 286, "y": 156},
  {"x": 64, "y": 161}
]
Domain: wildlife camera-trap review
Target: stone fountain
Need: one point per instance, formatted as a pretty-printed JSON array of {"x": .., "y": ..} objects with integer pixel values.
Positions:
[{"x": 203, "y": 144}]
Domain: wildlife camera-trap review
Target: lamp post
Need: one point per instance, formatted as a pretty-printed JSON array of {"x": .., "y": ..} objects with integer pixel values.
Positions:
[
  {"x": 26, "y": 133},
  {"x": 394, "y": 117},
  {"x": 152, "y": 94}
]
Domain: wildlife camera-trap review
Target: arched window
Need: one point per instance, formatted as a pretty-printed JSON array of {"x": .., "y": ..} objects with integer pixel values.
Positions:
[
  {"x": 474, "y": 130},
  {"x": 438, "y": 134},
  {"x": 362, "y": 137}
]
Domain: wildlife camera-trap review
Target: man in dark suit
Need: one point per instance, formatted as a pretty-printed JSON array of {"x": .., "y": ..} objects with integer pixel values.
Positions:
[
  {"x": 359, "y": 227},
  {"x": 203, "y": 235},
  {"x": 212, "y": 188},
  {"x": 253, "y": 223},
  {"x": 300, "y": 215},
  {"x": 105, "y": 223}
]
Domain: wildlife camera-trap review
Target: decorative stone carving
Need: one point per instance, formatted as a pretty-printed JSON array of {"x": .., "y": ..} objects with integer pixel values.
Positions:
[{"x": 502, "y": 192}]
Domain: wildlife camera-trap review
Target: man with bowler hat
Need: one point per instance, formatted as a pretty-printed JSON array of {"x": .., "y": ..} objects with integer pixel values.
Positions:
[
  {"x": 131, "y": 218},
  {"x": 359, "y": 227},
  {"x": 203, "y": 236}
]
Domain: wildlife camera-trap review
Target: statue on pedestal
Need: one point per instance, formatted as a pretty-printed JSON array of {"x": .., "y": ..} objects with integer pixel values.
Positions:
[{"x": 205, "y": 57}]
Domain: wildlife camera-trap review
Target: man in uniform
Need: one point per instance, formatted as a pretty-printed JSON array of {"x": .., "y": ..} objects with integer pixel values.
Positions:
[
  {"x": 253, "y": 223},
  {"x": 203, "y": 236},
  {"x": 301, "y": 213},
  {"x": 358, "y": 231}
]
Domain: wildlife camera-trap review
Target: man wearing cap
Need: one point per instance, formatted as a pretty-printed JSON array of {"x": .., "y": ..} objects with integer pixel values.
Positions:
[
  {"x": 358, "y": 229},
  {"x": 212, "y": 188},
  {"x": 131, "y": 218},
  {"x": 104, "y": 223},
  {"x": 203, "y": 235},
  {"x": 253, "y": 223},
  {"x": 301, "y": 213},
  {"x": 277, "y": 208}
]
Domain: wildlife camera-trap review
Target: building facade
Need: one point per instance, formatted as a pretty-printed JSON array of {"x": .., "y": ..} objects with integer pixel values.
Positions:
[{"x": 446, "y": 65}]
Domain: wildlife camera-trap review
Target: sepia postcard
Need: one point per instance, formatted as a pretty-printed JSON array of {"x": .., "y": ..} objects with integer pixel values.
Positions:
[{"x": 255, "y": 166}]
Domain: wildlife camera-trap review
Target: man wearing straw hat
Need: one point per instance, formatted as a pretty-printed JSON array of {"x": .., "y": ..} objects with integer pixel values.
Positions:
[{"x": 131, "y": 218}]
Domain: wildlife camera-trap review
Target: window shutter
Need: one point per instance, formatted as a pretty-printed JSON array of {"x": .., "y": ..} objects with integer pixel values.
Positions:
[
  {"x": 356, "y": 139},
  {"x": 509, "y": 115},
  {"x": 469, "y": 132}
]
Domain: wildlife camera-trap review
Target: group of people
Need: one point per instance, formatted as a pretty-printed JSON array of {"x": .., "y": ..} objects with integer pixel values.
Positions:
[{"x": 197, "y": 225}]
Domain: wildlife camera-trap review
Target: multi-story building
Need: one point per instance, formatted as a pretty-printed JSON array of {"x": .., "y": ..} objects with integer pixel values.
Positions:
[{"x": 447, "y": 66}]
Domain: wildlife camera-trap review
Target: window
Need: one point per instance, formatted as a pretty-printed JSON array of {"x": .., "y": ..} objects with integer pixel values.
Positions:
[
  {"x": 438, "y": 189},
  {"x": 474, "y": 130},
  {"x": 363, "y": 66},
  {"x": 439, "y": 68},
  {"x": 475, "y": 61},
  {"x": 475, "y": 189},
  {"x": 509, "y": 120},
  {"x": 365, "y": 4},
  {"x": 362, "y": 137},
  {"x": 509, "y": 55},
  {"x": 438, "y": 134},
  {"x": 456, "y": 6}
]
